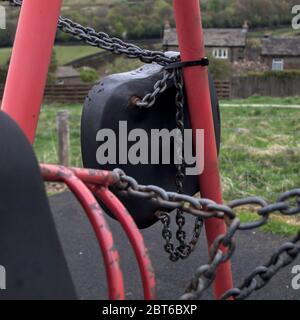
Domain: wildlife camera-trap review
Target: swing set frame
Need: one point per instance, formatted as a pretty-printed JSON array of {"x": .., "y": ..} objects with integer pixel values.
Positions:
[{"x": 22, "y": 100}]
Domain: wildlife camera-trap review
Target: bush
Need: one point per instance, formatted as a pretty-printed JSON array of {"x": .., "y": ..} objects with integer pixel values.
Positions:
[
  {"x": 220, "y": 69},
  {"x": 88, "y": 75},
  {"x": 243, "y": 68}
]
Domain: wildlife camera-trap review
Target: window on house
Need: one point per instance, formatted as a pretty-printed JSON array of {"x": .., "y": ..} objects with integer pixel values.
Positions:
[
  {"x": 277, "y": 64},
  {"x": 220, "y": 53}
]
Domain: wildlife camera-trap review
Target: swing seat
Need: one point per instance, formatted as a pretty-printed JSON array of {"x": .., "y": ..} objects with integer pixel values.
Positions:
[
  {"x": 30, "y": 250},
  {"x": 108, "y": 103}
]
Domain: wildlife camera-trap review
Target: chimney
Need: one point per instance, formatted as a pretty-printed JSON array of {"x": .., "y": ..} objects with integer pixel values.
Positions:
[
  {"x": 245, "y": 27},
  {"x": 167, "y": 25}
]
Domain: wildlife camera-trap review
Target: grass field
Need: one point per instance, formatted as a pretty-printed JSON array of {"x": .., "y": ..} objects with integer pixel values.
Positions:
[
  {"x": 4, "y": 55},
  {"x": 276, "y": 32},
  {"x": 259, "y": 156},
  {"x": 64, "y": 54},
  {"x": 46, "y": 140},
  {"x": 264, "y": 100}
]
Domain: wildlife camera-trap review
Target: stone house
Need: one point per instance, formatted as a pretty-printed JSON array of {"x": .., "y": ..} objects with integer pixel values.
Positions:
[
  {"x": 226, "y": 44},
  {"x": 281, "y": 53}
]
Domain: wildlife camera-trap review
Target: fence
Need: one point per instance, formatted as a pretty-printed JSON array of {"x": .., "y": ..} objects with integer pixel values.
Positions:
[
  {"x": 64, "y": 93},
  {"x": 244, "y": 87},
  {"x": 77, "y": 93},
  {"x": 239, "y": 87},
  {"x": 223, "y": 89}
]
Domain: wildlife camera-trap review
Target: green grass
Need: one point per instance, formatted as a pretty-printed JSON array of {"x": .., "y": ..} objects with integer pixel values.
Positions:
[
  {"x": 4, "y": 55},
  {"x": 265, "y": 100},
  {"x": 64, "y": 54},
  {"x": 262, "y": 160},
  {"x": 265, "y": 159},
  {"x": 67, "y": 54},
  {"x": 274, "y": 226},
  {"x": 46, "y": 140},
  {"x": 277, "y": 32}
]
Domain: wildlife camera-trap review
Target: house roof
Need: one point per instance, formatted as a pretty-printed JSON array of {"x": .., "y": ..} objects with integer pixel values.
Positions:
[
  {"x": 67, "y": 72},
  {"x": 281, "y": 46},
  {"x": 213, "y": 37}
]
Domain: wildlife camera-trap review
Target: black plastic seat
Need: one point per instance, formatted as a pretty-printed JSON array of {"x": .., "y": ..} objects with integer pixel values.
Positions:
[
  {"x": 30, "y": 249},
  {"x": 107, "y": 105}
]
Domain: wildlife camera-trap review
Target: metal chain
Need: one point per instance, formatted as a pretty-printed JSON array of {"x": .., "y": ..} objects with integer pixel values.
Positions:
[
  {"x": 176, "y": 253},
  {"x": 184, "y": 249},
  {"x": 119, "y": 47},
  {"x": 287, "y": 204},
  {"x": 116, "y": 46},
  {"x": 261, "y": 276},
  {"x": 160, "y": 87},
  {"x": 206, "y": 208}
]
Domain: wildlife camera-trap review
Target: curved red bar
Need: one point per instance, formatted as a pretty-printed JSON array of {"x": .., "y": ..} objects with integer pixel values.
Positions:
[
  {"x": 99, "y": 177},
  {"x": 134, "y": 236},
  {"x": 97, "y": 219}
]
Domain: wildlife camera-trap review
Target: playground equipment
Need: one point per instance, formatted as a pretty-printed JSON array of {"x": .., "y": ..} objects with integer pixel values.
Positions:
[
  {"x": 110, "y": 102},
  {"x": 22, "y": 101}
]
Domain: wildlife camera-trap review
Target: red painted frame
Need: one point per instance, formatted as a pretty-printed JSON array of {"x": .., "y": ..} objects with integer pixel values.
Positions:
[
  {"x": 135, "y": 237},
  {"x": 191, "y": 45},
  {"x": 80, "y": 181},
  {"x": 31, "y": 56},
  {"x": 22, "y": 100},
  {"x": 98, "y": 221}
]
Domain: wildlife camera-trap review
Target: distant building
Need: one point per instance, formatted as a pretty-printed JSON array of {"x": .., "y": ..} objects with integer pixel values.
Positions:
[
  {"x": 227, "y": 44},
  {"x": 67, "y": 75},
  {"x": 281, "y": 53}
]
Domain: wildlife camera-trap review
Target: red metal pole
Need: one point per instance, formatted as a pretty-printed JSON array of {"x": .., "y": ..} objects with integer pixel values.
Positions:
[
  {"x": 191, "y": 45},
  {"x": 98, "y": 181},
  {"x": 30, "y": 61},
  {"x": 98, "y": 221},
  {"x": 134, "y": 236}
]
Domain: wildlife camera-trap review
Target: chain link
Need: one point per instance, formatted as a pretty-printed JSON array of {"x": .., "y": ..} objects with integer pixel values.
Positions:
[
  {"x": 184, "y": 249},
  {"x": 223, "y": 247},
  {"x": 262, "y": 275},
  {"x": 119, "y": 47},
  {"x": 160, "y": 87},
  {"x": 116, "y": 46}
]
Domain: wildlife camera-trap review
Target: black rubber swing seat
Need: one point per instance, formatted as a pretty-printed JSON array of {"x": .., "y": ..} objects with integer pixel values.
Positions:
[
  {"x": 107, "y": 104},
  {"x": 30, "y": 250}
]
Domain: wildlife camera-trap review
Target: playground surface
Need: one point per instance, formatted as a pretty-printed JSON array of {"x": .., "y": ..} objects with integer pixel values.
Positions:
[{"x": 87, "y": 269}]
